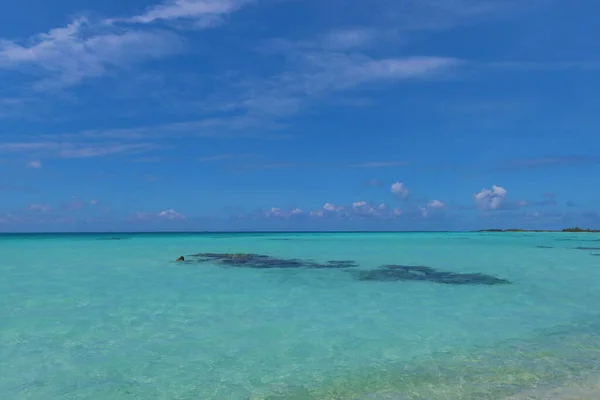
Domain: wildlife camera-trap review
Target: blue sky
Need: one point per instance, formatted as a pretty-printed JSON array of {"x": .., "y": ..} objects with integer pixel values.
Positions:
[{"x": 298, "y": 114}]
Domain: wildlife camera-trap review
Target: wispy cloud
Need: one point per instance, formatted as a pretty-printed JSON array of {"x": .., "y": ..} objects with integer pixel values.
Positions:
[
  {"x": 74, "y": 204},
  {"x": 555, "y": 161},
  {"x": 34, "y": 164},
  {"x": 85, "y": 48},
  {"x": 222, "y": 157},
  {"x": 214, "y": 127},
  {"x": 15, "y": 188},
  {"x": 201, "y": 13},
  {"x": 381, "y": 164},
  {"x": 217, "y": 157},
  {"x": 315, "y": 73},
  {"x": 73, "y": 150},
  {"x": 260, "y": 167},
  {"x": 39, "y": 207},
  {"x": 373, "y": 183},
  {"x": 345, "y": 39},
  {"x": 419, "y": 15},
  {"x": 66, "y": 56}
]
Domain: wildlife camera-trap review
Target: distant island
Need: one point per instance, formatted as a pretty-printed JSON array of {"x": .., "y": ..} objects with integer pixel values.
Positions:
[{"x": 570, "y": 230}]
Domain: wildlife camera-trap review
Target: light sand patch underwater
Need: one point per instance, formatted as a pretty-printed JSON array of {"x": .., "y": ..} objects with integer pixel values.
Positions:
[{"x": 558, "y": 364}]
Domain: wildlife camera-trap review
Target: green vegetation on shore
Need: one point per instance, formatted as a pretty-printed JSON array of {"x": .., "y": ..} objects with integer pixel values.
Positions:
[{"x": 571, "y": 230}]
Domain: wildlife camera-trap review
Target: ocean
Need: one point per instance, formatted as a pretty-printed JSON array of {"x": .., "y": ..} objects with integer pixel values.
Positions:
[{"x": 304, "y": 316}]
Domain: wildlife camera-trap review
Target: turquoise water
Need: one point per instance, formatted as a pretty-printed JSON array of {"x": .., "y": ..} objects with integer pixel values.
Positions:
[{"x": 86, "y": 317}]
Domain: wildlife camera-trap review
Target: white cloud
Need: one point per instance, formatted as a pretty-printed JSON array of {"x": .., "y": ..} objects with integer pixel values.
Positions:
[
  {"x": 311, "y": 73},
  {"x": 332, "y": 207},
  {"x": 492, "y": 199},
  {"x": 170, "y": 215},
  {"x": 34, "y": 164},
  {"x": 435, "y": 204},
  {"x": 364, "y": 209},
  {"x": 359, "y": 209},
  {"x": 277, "y": 213},
  {"x": 67, "y": 55},
  {"x": 359, "y": 204},
  {"x": 204, "y": 13},
  {"x": 399, "y": 189}
]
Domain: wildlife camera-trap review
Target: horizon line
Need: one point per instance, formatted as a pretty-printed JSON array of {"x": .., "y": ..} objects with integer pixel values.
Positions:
[{"x": 491, "y": 230}]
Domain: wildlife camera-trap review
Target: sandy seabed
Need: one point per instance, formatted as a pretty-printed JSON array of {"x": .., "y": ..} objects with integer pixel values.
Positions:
[{"x": 588, "y": 389}]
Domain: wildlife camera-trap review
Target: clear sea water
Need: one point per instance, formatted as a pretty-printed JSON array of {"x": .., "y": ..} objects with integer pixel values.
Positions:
[{"x": 86, "y": 317}]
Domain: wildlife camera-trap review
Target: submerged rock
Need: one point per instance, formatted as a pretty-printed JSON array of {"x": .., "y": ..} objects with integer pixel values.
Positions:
[
  {"x": 390, "y": 273},
  {"x": 261, "y": 261}
]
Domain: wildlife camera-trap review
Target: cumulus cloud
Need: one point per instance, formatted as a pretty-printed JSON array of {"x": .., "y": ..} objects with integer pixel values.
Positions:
[
  {"x": 359, "y": 204},
  {"x": 170, "y": 214},
  {"x": 399, "y": 189},
  {"x": 435, "y": 204},
  {"x": 167, "y": 215},
  {"x": 490, "y": 199},
  {"x": 332, "y": 207},
  {"x": 278, "y": 213},
  {"x": 365, "y": 209},
  {"x": 360, "y": 209}
]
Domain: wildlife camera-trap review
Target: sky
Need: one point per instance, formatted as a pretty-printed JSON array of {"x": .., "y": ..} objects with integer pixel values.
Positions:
[{"x": 268, "y": 115}]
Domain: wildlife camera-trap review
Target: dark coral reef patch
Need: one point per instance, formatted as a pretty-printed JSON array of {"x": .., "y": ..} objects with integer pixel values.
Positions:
[
  {"x": 389, "y": 273},
  {"x": 261, "y": 261}
]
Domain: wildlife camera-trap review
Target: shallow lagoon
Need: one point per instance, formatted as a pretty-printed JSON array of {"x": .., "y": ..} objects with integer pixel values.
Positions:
[{"x": 92, "y": 317}]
